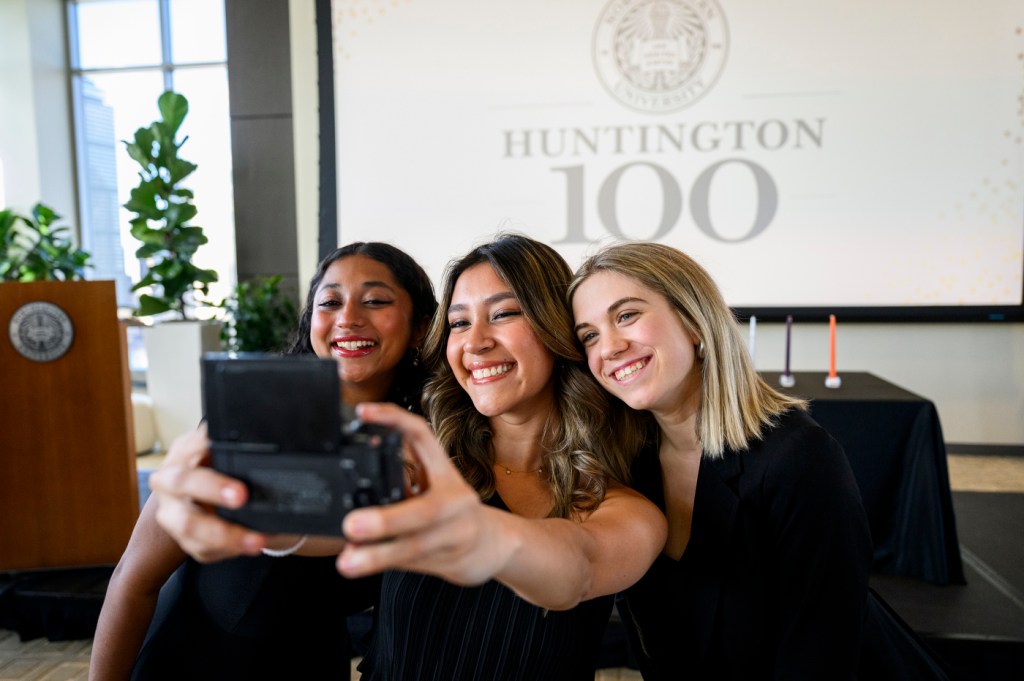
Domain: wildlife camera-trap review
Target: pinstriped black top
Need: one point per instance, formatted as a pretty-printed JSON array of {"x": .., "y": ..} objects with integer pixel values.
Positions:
[{"x": 427, "y": 628}]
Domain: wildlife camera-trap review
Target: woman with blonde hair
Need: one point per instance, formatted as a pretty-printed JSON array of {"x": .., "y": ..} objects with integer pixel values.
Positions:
[{"x": 765, "y": 572}]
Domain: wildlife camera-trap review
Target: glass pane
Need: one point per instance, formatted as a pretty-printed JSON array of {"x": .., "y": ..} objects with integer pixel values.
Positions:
[
  {"x": 208, "y": 126},
  {"x": 113, "y": 33},
  {"x": 111, "y": 107},
  {"x": 197, "y": 31}
]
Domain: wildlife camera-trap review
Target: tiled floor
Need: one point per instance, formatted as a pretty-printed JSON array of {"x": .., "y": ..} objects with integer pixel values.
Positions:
[
  {"x": 42, "y": 660},
  {"x": 986, "y": 473}
]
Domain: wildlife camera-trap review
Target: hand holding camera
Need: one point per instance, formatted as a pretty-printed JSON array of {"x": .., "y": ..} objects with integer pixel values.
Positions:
[{"x": 276, "y": 424}]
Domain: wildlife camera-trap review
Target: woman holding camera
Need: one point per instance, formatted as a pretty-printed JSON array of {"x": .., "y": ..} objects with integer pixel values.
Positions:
[
  {"x": 502, "y": 562},
  {"x": 368, "y": 307}
]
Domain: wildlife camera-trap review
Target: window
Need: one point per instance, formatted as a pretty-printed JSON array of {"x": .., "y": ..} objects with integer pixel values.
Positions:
[{"x": 124, "y": 53}]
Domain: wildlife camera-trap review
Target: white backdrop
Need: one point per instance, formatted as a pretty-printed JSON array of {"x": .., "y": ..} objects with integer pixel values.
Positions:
[{"x": 834, "y": 154}]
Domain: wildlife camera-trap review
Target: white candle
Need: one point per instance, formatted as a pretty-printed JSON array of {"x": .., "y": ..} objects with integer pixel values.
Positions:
[
  {"x": 753, "y": 332},
  {"x": 786, "y": 378}
]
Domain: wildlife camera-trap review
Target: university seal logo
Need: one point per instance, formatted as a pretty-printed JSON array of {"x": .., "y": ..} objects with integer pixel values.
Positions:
[
  {"x": 41, "y": 332},
  {"x": 658, "y": 56}
]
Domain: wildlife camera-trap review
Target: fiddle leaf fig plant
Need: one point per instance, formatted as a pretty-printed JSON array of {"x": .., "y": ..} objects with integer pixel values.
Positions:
[
  {"x": 163, "y": 209},
  {"x": 32, "y": 248}
]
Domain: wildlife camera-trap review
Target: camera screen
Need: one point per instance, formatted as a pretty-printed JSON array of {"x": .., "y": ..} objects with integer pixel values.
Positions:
[{"x": 288, "y": 403}]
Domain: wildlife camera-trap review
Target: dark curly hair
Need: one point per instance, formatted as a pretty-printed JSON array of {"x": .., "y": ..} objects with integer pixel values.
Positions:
[{"x": 410, "y": 374}]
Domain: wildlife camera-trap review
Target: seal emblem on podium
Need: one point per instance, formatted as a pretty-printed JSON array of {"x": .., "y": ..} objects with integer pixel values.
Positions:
[{"x": 41, "y": 331}]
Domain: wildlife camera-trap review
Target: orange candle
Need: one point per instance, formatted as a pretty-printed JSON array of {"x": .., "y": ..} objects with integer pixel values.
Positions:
[{"x": 832, "y": 345}]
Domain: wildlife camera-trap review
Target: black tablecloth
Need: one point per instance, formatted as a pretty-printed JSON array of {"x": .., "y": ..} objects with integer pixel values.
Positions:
[{"x": 894, "y": 442}]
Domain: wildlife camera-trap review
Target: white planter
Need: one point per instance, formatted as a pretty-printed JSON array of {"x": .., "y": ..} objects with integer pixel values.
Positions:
[{"x": 173, "y": 380}]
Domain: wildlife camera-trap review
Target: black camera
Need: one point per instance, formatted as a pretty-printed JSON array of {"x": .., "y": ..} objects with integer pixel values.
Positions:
[{"x": 276, "y": 423}]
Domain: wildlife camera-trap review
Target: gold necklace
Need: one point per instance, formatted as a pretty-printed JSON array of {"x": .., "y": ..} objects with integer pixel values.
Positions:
[{"x": 510, "y": 471}]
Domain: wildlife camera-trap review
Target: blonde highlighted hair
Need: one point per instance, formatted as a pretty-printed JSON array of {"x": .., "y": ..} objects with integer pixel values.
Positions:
[{"x": 736, "y": 404}]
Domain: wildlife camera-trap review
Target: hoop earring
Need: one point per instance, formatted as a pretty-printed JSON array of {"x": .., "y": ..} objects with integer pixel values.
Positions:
[{"x": 701, "y": 351}]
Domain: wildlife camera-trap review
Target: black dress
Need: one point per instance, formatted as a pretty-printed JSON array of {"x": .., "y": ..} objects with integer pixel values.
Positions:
[
  {"x": 427, "y": 628},
  {"x": 254, "y": 618},
  {"x": 774, "y": 580}
]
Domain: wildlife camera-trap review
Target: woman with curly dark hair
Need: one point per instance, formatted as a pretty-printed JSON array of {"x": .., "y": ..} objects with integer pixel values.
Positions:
[{"x": 368, "y": 307}]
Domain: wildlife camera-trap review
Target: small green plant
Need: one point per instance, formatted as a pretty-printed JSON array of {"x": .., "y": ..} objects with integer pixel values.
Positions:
[
  {"x": 259, "y": 317},
  {"x": 163, "y": 208},
  {"x": 33, "y": 249}
]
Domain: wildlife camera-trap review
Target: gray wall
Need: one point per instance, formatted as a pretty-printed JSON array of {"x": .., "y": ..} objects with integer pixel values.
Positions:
[{"x": 260, "y": 84}]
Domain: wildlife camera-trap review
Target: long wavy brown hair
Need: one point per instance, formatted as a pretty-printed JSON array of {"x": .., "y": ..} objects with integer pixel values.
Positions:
[{"x": 584, "y": 450}]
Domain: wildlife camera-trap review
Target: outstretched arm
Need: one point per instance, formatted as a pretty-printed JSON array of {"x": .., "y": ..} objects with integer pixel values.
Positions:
[
  {"x": 148, "y": 561},
  {"x": 448, "y": 532}
]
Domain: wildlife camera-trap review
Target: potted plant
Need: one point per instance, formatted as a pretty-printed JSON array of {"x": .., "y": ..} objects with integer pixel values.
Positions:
[
  {"x": 33, "y": 249},
  {"x": 174, "y": 286},
  {"x": 163, "y": 209},
  {"x": 259, "y": 317}
]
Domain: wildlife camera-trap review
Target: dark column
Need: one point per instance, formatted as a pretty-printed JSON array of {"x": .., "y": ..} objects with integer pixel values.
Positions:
[{"x": 259, "y": 80}]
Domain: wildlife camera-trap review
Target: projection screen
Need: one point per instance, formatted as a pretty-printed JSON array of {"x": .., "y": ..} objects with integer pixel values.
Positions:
[{"x": 821, "y": 156}]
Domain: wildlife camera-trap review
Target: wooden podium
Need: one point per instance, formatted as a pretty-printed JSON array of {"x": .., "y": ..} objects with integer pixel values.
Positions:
[{"x": 68, "y": 483}]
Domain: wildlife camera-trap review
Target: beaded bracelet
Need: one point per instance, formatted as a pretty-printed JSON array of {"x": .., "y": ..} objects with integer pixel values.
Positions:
[{"x": 281, "y": 553}]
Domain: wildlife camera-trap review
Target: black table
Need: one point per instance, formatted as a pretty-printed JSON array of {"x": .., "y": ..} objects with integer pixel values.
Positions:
[{"x": 894, "y": 442}]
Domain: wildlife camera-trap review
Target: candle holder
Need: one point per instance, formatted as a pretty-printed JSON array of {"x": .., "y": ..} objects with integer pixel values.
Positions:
[
  {"x": 787, "y": 380},
  {"x": 833, "y": 381}
]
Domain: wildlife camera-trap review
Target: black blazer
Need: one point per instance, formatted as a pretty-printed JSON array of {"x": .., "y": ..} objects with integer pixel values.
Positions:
[{"x": 774, "y": 580}]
